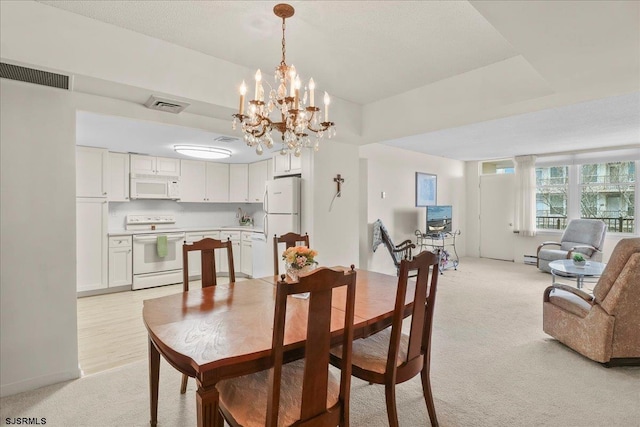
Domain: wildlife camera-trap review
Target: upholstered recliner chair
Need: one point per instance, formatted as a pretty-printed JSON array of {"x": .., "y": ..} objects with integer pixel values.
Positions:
[
  {"x": 604, "y": 327},
  {"x": 581, "y": 235}
]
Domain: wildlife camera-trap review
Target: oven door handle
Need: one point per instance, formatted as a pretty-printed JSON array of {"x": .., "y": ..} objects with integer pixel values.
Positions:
[{"x": 153, "y": 238}]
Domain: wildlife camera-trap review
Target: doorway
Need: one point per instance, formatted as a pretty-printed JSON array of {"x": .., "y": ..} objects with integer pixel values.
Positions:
[{"x": 497, "y": 215}]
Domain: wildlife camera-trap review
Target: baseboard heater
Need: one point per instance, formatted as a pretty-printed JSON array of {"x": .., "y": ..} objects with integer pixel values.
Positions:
[{"x": 530, "y": 259}]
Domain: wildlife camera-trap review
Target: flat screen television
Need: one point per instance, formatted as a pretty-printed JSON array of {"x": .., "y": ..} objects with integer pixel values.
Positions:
[{"x": 439, "y": 219}]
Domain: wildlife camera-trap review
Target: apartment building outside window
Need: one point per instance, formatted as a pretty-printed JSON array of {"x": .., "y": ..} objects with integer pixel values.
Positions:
[{"x": 605, "y": 191}]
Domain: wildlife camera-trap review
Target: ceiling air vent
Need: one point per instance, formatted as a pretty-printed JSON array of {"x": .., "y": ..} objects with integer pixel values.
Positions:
[
  {"x": 31, "y": 75},
  {"x": 225, "y": 139},
  {"x": 165, "y": 104}
]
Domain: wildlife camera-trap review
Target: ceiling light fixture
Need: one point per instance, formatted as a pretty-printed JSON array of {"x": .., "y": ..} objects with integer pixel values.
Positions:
[
  {"x": 202, "y": 152},
  {"x": 296, "y": 117}
]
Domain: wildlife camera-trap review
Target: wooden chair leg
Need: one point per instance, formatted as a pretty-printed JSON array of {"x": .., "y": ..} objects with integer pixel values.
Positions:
[
  {"x": 392, "y": 413},
  {"x": 154, "y": 381},
  {"x": 428, "y": 397},
  {"x": 183, "y": 386}
]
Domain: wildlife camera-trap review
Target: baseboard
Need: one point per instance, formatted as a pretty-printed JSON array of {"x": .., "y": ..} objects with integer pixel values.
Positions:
[{"x": 37, "y": 382}]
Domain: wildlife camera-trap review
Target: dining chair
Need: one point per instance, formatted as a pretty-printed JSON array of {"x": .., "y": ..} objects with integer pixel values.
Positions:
[
  {"x": 305, "y": 392},
  {"x": 391, "y": 357},
  {"x": 290, "y": 240},
  {"x": 207, "y": 248}
]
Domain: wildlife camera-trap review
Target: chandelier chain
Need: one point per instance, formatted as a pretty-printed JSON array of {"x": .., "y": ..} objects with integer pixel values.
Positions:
[{"x": 284, "y": 49}]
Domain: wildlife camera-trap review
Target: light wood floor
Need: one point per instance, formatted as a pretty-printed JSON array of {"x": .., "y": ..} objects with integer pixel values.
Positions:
[{"x": 110, "y": 328}]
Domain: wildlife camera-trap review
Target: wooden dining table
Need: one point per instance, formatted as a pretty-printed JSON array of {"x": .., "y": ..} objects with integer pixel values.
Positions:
[{"x": 225, "y": 331}]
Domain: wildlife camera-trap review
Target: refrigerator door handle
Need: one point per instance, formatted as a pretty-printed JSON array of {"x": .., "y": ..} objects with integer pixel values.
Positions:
[
  {"x": 265, "y": 203},
  {"x": 265, "y": 221}
]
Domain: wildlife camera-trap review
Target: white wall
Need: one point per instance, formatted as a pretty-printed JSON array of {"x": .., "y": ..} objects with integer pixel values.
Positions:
[
  {"x": 335, "y": 227},
  {"x": 392, "y": 170},
  {"x": 38, "y": 331}
]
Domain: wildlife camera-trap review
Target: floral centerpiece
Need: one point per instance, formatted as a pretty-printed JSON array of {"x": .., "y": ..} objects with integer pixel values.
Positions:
[{"x": 299, "y": 259}]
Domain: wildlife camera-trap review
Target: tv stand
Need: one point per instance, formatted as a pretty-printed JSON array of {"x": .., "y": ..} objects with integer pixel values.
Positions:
[{"x": 438, "y": 244}]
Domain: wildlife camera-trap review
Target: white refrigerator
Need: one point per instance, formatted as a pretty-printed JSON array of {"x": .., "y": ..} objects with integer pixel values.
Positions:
[{"x": 282, "y": 215}]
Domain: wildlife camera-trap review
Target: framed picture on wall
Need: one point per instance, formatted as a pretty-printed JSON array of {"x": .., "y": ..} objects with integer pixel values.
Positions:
[{"x": 426, "y": 189}]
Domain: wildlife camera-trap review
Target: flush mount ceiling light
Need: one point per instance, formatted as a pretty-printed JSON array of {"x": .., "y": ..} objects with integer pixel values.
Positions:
[
  {"x": 202, "y": 152},
  {"x": 296, "y": 118}
]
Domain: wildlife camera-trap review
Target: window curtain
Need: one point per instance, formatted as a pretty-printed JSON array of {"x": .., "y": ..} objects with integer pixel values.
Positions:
[{"x": 525, "y": 222}]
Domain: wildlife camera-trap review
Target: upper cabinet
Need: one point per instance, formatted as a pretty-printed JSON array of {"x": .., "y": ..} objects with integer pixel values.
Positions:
[
  {"x": 118, "y": 188},
  {"x": 258, "y": 175},
  {"x": 91, "y": 172},
  {"x": 239, "y": 183},
  {"x": 149, "y": 165},
  {"x": 192, "y": 181},
  {"x": 217, "y": 183},
  {"x": 202, "y": 181},
  {"x": 287, "y": 164}
]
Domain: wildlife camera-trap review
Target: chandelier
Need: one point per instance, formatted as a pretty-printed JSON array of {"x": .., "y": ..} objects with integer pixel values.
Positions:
[{"x": 295, "y": 120}]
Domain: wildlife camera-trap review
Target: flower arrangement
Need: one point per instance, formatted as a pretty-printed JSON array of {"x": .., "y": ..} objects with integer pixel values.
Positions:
[{"x": 298, "y": 257}]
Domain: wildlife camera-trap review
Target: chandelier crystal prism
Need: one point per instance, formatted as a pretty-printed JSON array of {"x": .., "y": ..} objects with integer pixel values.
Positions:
[{"x": 298, "y": 122}]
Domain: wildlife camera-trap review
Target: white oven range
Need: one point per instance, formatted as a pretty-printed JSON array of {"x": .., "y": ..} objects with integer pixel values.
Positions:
[{"x": 149, "y": 269}]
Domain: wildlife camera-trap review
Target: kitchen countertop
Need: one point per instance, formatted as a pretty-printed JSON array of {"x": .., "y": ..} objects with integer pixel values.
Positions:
[{"x": 185, "y": 230}]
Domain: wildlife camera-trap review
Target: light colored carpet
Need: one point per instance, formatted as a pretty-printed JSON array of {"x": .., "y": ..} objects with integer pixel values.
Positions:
[{"x": 491, "y": 366}]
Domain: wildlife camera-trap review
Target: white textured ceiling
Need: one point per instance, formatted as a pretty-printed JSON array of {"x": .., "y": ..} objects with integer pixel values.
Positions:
[
  {"x": 486, "y": 79},
  {"x": 610, "y": 122},
  {"x": 360, "y": 51}
]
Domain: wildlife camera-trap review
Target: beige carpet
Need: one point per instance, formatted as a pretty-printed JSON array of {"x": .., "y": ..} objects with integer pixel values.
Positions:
[{"x": 492, "y": 366}]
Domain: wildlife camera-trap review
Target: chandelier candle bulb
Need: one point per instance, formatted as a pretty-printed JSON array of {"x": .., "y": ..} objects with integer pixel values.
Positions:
[
  {"x": 292, "y": 78},
  {"x": 297, "y": 85},
  {"x": 327, "y": 101},
  {"x": 258, "y": 79},
  {"x": 312, "y": 87},
  {"x": 243, "y": 91}
]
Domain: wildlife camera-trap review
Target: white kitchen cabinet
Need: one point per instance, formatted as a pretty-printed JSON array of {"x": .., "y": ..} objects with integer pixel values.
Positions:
[
  {"x": 234, "y": 236},
  {"x": 287, "y": 164},
  {"x": 202, "y": 181},
  {"x": 258, "y": 175},
  {"x": 246, "y": 256},
  {"x": 193, "y": 181},
  {"x": 150, "y": 165},
  {"x": 195, "y": 257},
  {"x": 118, "y": 181},
  {"x": 217, "y": 182},
  {"x": 239, "y": 183},
  {"x": 91, "y": 172},
  {"x": 120, "y": 261},
  {"x": 91, "y": 244}
]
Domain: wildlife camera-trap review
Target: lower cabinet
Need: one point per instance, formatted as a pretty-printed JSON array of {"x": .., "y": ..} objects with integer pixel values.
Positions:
[
  {"x": 246, "y": 255},
  {"x": 120, "y": 261},
  {"x": 234, "y": 236},
  {"x": 91, "y": 244}
]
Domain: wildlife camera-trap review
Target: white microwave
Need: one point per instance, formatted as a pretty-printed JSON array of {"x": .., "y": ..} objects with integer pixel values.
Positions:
[{"x": 155, "y": 187}]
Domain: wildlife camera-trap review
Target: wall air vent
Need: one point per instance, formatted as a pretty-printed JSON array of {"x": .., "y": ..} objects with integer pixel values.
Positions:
[
  {"x": 31, "y": 75},
  {"x": 225, "y": 139},
  {"x": 165, "y": 104}
]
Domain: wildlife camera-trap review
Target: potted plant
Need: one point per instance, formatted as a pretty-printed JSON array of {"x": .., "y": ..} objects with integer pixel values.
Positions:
[{"x": 579, "y": 260}]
